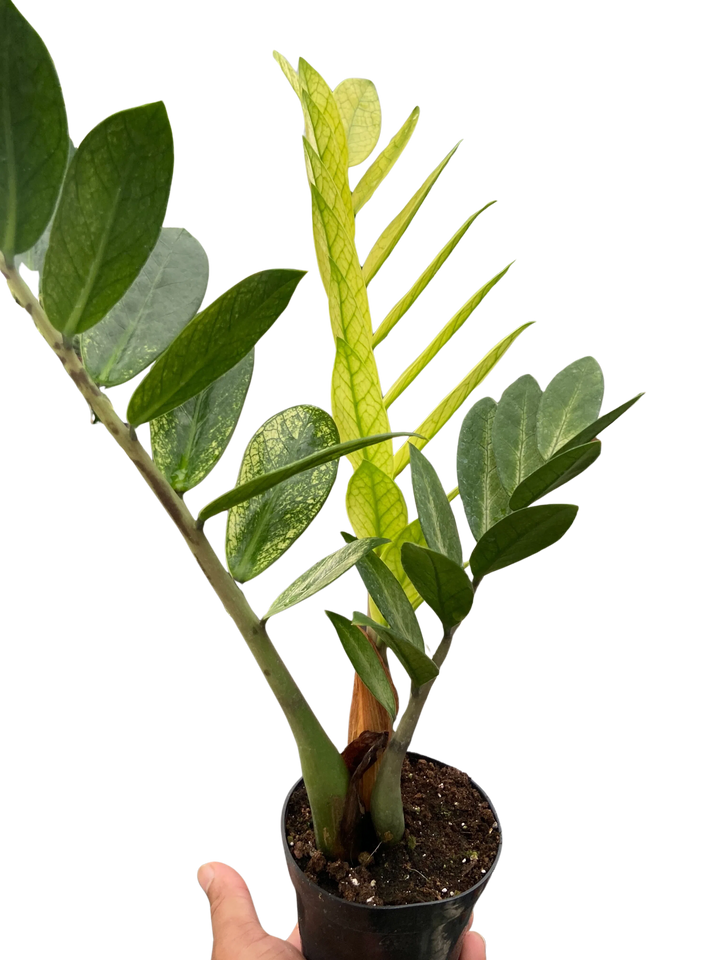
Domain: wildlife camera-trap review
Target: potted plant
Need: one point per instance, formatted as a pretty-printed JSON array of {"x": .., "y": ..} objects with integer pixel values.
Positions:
[{"x": 120, "y": 293}]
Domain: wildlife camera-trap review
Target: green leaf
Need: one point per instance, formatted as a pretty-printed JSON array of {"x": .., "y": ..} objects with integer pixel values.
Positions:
[
  {"x": 160, "y": 303},
  {"x": 513, "y": 434},
  {"x": 388, "y": 239},
  {"x": 484, "y": 498},
  {"x": 188, "y": 441},
  {"x": 366, "y": 661},
  {"x": 570, "y": 403},
  {"x": 455, "y": 399},
  {"x": 414, "y": 369},
  {"x": 323, "y": 573},
  {"x": 213, "y": 342},
  {"x": 290, "y": 73},
  {"x": 553, "y": 474},
  {"x": 434, "y": 510},
  {"x": 520, "y": 535},
  {"x": 442, "y": 583},
  {"x": 589, "y": 433},
  {"x": 34, "y": 258},
  {"x": 265, "y": 480},
  {"x": 276, "y": 499},
  {"x": 419, "y": 666},
  {"x": 359, "y": 107},
  {"x": 392, "y": 558},
  {"x": 383, "y": 164},
  {"x": 357, "y": 404},
  {"x": 389, "y": 597},
  {"x": 109, "y": 216},
  {"x": 404, "y": 304},
  {"x": 33, "y": 134},
  {"x": 375, "y": 504}
]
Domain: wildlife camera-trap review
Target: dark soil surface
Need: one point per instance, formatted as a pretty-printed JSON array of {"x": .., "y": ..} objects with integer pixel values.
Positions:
[{"x": 450, "y": 842}]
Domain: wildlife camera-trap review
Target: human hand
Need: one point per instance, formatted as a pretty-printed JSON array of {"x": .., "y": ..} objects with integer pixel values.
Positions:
[{"x": 237, "y": 934}]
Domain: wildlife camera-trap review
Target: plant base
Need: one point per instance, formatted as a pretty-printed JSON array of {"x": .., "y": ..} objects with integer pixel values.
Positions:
[{"x": 343, "y": 910}]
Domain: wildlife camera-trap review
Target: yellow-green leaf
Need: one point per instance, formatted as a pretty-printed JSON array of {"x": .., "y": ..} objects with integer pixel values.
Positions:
[
  {"x": 378, "y": 170},
  {"x": 454, "y": 400},
  {"x": 448, "y": 331},
  {"x": 359, "y": 107},
  {"x": 375, "y": 504},
  {"x": 290, "y": 72},
  {"x": 357, "y": 405},
  {"x": 324, "y": 185},
  {"x": 404, "y": 303},
  {"x": 388, "y": 239}
]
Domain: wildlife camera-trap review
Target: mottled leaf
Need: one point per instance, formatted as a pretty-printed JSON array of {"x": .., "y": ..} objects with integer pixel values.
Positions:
[
  {"x": 570, "y": 403},
  {"x": 366, "y": 661},
  {"x": 418, "y": 665},
  {"x": 484, "y": 498},
  {"x": 442, "y": 583},
  {"x": 34, "y": 258},
  {"x": 375, "y": 504},
  {"x": 384, "y": 162},
  {"x": 520, "y": 535},
  {"x": 513, "y": 434},
  {"x": 589, "y": 433},
  {"x": 434, "y": 511},
  {"x": 359, "y": 107},
  {"x": 554, "y": 473}
]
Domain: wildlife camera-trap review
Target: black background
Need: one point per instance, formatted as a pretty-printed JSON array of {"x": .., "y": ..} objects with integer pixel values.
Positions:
[{"x": 157, "y": 744}]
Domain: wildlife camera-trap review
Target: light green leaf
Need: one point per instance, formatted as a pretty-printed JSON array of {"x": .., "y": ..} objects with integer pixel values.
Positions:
[
  {"x": 359, "y": 107},
  {"x": 570, "y": 403},
  {"x": 383, "y": 164},
  {"x": 160, "y": 303},
  {"x": 323, "y": 184},
  {"x": 323, "y": 573},
  {"x": 418, "y": 665},
  {"x": 34, "y": 258},
  {"x": 357, "y": 404},
  {"x": 448, "y": 331},
  {"x": 388, "y": 239},
  {"x": 589, "y": 433},
  {"x": 262, "y": 527},
  {"x": 392, "y": 558},
  {"x": 404, "y": 304},
  {"x": 33, "y": 134},
  {"x": 553, "y": 474},
  {"x": 375, "y": 504},
  {"x": 109, "y": 216},
  {"x": 513, "y": 434},
  {"x": 366, "y": 661},
  {"x": 188, "y": 441},
  {"x": 389, "y": 597},
  {"x": 434, "y": 510},
  {"x": 484, "y": 498},
  {"x": 266, "y": 480},
  {"x": 290, "y": 73},
  {"x": 442, "y": 583},
  {"x": 455, "y": 399},
  {"x": 520, "y": 535},
  {"x": 213, "y": 342}
]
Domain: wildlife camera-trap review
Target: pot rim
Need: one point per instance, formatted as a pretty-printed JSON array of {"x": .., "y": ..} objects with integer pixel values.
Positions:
[{"x": 397, "y": 906}]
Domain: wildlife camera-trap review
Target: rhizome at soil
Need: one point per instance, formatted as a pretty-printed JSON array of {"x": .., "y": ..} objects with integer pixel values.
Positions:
[{"x": 450, "y": 843}]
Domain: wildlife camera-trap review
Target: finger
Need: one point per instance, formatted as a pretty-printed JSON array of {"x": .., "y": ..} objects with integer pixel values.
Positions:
[
  {"x": 294, "y": 939},
  {"x": 474, "y": 946},
  {"x": 235, "y": 924}
]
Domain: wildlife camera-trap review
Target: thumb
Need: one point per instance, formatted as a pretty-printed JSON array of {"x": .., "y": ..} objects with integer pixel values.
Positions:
[{"x": 235, "y": 924}]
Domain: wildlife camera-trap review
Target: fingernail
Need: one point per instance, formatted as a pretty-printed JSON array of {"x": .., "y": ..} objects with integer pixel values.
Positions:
[{"x": 205, "y": 876}]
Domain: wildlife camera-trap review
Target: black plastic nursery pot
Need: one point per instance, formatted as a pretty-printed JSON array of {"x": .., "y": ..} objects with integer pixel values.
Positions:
[{"x": 335, "y": 929}]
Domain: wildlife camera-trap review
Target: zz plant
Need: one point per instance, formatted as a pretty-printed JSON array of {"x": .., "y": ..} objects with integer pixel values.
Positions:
[{"x": 119, "y": 292}]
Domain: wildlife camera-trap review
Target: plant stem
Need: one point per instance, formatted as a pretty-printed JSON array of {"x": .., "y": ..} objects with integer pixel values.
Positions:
[
  {"x": 323, "y": 769},
  {"x": 386, "y": 803}
]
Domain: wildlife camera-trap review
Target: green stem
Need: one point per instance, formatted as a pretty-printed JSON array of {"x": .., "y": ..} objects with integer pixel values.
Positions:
[
  {"x": 386, "y": 802},
  {"x": 323, "y": 769}
]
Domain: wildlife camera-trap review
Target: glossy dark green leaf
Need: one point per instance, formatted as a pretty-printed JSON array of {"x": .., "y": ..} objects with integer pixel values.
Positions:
[
  {"x": 188, "y": 441},
  {"x": 323, "y": 573},
  {"x": 554, "y": 473},
  {"x": 569, "y": 405},
  {"x": 442, "y": 583},
  {"x": 418, "y": 665},
  {"x": 262, "y": 528},
  {"x": 34, "y": 258},
  {"x": 484, "y": 498},
  {"x": 514, "y": 440},
  {"x": 391, "y": 556},
  {"x": 389, "y": 597},
  {"x": 265, "y": 481},
  {"x": 434, "y": 511},
  {"x": 589, "y": 433},
  {"x": 213, "y": 342},
  {"x": 162, "y": 300},
  {"x": 366, "y": 661},
  {"x": 33, "y": 133},
  {"x": 109, "y": 216},
  {"x": 521, "y": 535}
]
